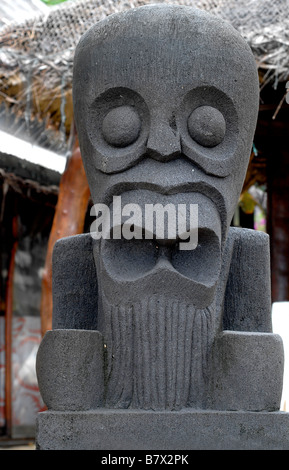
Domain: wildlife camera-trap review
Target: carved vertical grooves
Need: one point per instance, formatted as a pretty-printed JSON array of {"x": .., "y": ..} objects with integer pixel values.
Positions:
[{"x": 157, "y": 354}]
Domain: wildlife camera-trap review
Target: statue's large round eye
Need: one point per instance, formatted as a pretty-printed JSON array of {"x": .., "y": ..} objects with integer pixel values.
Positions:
[
  {"x": 207, "y": 126},
  {"x": 121, "y": 126}
]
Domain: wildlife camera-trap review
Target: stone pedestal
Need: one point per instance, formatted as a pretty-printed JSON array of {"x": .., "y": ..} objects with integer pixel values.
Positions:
[{"x": 150, "y": 430}]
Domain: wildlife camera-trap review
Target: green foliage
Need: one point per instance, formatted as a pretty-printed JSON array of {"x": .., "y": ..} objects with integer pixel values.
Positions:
[{"x": 53, "y": 2}]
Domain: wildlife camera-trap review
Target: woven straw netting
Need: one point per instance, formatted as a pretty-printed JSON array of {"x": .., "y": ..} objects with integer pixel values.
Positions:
[
  {"x": 263, "y": 23},
  {"x": 39, "y": 52}
]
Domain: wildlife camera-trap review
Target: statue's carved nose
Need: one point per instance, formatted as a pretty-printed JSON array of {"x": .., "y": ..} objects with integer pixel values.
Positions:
[{"x": 163, "y": 143}]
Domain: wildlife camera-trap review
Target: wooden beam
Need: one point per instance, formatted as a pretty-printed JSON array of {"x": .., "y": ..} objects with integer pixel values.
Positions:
[
  {"x": 272, "y": 138},
  {"x": 30, "y": 189},
  {"x": 278, "y": 220}
]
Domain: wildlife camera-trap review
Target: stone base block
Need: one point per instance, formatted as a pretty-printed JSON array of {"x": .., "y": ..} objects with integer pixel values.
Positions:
[{"x": 149, "y": 430}]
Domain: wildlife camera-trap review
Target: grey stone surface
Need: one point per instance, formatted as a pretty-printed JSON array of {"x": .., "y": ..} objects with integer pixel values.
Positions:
[
  {"x": 207, "y": 126},
  {"x": 69, "y": 367},
  {"x": 169, "y": 351},
  {"x": 247, "y": 371},
  {"x": 247, "y": 300},
  {"x": 165, "y": 104},
  {"x": 160, "y": 431},
  {"x": 187, "y": 139},
  {"x": 165, "y": 62},
  {"x": 74, "y": 284}
]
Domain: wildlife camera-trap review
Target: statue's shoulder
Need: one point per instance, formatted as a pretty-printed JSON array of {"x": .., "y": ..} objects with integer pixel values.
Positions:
[
  {"x": 81, "y": 242},
  {"x": 248, "y": 237}
]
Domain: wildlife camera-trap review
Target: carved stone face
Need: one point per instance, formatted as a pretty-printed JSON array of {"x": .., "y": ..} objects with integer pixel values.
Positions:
[
  {"x": 166, "y": 98},
  {"x": 165, "y": 103}
]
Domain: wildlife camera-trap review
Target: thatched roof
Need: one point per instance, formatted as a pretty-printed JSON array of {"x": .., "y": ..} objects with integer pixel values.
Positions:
[{"x": 36, "y": 56}]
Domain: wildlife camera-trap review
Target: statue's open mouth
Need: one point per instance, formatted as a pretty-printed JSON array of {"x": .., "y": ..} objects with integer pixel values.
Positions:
[
  {"x": 170, "y": 219},
  {"x": 146, "y": 260}
]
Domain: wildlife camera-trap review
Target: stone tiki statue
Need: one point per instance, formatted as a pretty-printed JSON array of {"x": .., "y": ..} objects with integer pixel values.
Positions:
[{"x": 149, "y": 338}]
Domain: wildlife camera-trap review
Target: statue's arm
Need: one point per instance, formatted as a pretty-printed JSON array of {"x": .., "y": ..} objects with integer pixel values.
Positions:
[
  {"x": 69, "y": 362},
  {"x": 74, "y": 284},
  {"x": 247, "y": 305},
  {"x": 248, "y": 358}
]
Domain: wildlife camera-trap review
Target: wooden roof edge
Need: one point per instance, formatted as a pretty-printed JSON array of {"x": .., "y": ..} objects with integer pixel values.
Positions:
[{"x": 25, "y": 170}]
